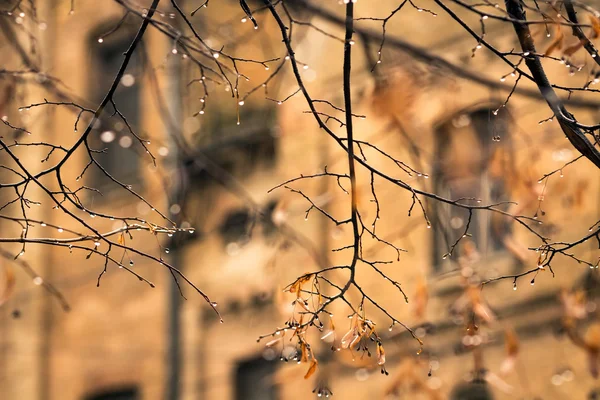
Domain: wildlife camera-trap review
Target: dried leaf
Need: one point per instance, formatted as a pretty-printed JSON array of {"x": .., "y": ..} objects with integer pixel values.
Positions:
[
  {"x": 380, "y": 354},
  {"x": 302, "y": 304},
  {"x": 484, "y": 312},
  {"x": 355, "y": 341},
  {"x": 7, "y": 284},
  {"x": 556, "y": 43},
  {"x": 304, "y": 353},
  {"x": 296, "y": 287},
  {"x": 595, "y": 21},
  {"x": 497, "y": 382},
  {"x": 507, "y": 365},
  {"x": 592, "y": 337},
  {"x": 421, "y": 299},
  {"x": 328, "y": 336},
  {"x": 511, "y": 344},
  {"x": 273, "y": 342},
  {"x": 573, "y": 304},
  {"x": 349, "y": 337},
  {"x": 311, "y": 369},
  {"x": 121, "y": 240},
  {"x": 151, "y": 227}
]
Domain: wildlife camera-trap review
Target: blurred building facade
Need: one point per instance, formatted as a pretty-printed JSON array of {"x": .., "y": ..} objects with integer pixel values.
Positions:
[{"x": 123, "y": 340}]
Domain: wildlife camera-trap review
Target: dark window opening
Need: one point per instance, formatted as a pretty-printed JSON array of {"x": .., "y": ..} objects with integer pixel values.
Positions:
[
  {"x": 238, "y": 149},
  {"x": 254, "y": 380},
  {"x": 470, "y": 164},
  {"x": 121, "y": 394},
  {"x": 235, "y": 226},
  {"x": 476, "y": 390},
  {"x": 121, "y": 149}
]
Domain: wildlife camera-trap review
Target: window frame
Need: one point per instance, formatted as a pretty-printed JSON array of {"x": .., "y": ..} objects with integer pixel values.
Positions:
[{"x": 482, "y": 224}]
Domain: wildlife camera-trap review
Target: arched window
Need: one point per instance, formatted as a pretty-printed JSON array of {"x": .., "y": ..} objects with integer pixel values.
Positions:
[{"x": 471, "y": 163}]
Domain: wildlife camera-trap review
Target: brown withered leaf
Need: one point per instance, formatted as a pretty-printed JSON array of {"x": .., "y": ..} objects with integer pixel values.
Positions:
[
  {"x": 592, "y": 337},
  {"x": 7, "y": 283},
  {"x": 304, "y": 353},
  {"x": 352, "y": 333},
  {"x": 121, "y": 240},
  {"x": 355, "y": 341},
  {"x": 573, "y": 304},
  {"x": 349, "y": 338},
  {"x": 481, "y": 309},
  {"x": 380, "y": 354},
  {"x": 572, "y": 49},
  {"x": 557, "y": 43},
  {"x": 595, "y": 21},
  {"x": 296, "y": 287},
  {"x": 421, "y": 298},
  {"x": 511, "y": 344},
  {"x": 311, "y": 369},
  {"x": 580, "y": 192},
  {"x": 273, "y": 342},
  {"x": 151, "y": 227}
]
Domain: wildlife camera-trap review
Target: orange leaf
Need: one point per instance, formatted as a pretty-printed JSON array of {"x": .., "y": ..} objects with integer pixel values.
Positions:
[
  {"x": 421, "y": 299},
  {"x": 511, "y": 342},
  {"x": 556, "y": 43},
  {"x": 595, "y": 27},
  {"x": 349, "y": 337},
  {"x": 304, "y": 353},
  {"x": 592, "y": 337},
  {"x": 273, "y": 342},
  {"x": 7, "y": 284},
  {"x": 311, "y": 369},
  {"x": 151, "y": 227},
  {"x": 380, "y": 355}
]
